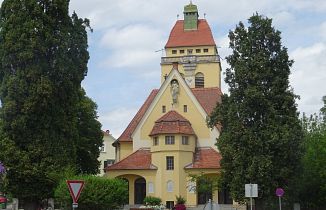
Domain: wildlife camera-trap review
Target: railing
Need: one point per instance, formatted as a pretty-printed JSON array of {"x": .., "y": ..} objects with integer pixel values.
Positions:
[{"x": 191, "y": 59}]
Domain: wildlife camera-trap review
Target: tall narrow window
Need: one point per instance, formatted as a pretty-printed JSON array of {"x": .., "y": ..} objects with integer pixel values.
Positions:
[
  {"x": 199, "y": 80},
  {"x": 102, "y": 148},
  {"x": 185, "y": 140},
  {"x": 185, "y": 108},
  {"x": 155, "y": 141},
  {"x": 169, "y": 163},
  {"x": 169, "y": 139},
  {"x": 169, "y": 204},
  {"x": 163, "y": 109}
]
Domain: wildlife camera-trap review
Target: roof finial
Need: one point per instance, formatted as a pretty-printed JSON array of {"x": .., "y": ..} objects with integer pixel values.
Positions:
[
  {"x": 190, "y": 1},
  {"x": 177, "y": 16},
  {"x": 204, "y": 15}
]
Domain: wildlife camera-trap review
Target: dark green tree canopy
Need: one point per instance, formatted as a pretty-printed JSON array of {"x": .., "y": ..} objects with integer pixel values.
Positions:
[
  {"x": 43, "y": 59},
  {"x": 261, "y": 133},
  {"x": 312, "y": 178},
  {"x": 90, "y": 136}
]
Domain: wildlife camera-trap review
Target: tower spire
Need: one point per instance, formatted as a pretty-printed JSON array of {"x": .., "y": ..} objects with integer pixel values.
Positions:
[{"x": 190, "y": 17}]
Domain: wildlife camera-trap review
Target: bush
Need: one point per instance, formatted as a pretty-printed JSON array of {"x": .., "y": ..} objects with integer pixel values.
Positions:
[
  {"x": 152, "y": 201},
  {"x": 180, "y": 199},
  {"x": 99, "y": 193}
]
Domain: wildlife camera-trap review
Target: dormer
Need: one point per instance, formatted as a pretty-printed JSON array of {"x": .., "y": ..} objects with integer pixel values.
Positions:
[{"x": 173, "y": 132}]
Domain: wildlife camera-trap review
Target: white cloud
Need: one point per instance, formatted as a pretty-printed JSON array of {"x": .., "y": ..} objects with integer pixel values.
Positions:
[
  {"x": 132, "y": 46},
  {"x": 283, "y": 18},
  {"x": 117, "y": 120},
  {"x": 131, "y": 59},
  {"x": 308, "y": 76},
  {"x": 131, "y": 37},
  {"x": 323, "y": 31}
]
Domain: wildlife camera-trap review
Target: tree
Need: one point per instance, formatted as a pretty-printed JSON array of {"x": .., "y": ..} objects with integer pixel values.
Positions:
[
  {"x": 43, "y": 59},
  {"x": 90, "y": 136},
  {"x": 99, "y": 193},
  {"x": 312, "y": 179},
  {"x": 261, "y": 134}
]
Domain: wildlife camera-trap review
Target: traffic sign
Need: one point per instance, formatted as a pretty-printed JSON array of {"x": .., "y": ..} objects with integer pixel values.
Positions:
[
  {"x": 251, "y": 190},
  {"x": 279, "y": 192},
  {"x": 75, "y": 188}
]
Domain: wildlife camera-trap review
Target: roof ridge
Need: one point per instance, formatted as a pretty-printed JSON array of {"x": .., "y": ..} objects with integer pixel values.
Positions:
[{"x": 126, "y": 134}]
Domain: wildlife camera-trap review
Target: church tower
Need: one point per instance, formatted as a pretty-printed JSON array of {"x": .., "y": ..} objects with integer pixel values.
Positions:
[
  {"x": 168, "y": 139},
  {"x": 191, "y": 50}
]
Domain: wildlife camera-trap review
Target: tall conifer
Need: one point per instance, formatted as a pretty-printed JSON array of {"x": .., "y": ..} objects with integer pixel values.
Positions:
[
  {"x": 43, "y": 59},
  {"x": 261, "y": 133}
]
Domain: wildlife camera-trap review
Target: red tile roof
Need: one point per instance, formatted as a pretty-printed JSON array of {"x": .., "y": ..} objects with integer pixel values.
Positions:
[
  {"x": 208, "y": 97},
  {"x": 139, "y": 160},
  {"x": 181, "y": 38},
  {"x": 205, "y": 158},
  {"x": 172, "y": 123},
  {"x": 126, "y": 135}
]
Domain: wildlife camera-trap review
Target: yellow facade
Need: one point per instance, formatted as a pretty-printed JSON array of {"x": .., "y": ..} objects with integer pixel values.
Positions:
[
  {"x": 172, "y": 162},
  {"x": 193, "y": 114},
  {"x": 125, "y": 149},
  {"x": 208, "y": 63}
]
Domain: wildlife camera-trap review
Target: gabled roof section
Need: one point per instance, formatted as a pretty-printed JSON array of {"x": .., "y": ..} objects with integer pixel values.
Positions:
[
  {"x": 126, "y": 135},
  {"x": 172, "y": 116},
  {"x": 139, "y": 160},
  {"x": 172, "y": 123},
  {"x": 208, "y": 97},
  {"x": 200, "y": 37},
  {"x": 205, "y": 158}
]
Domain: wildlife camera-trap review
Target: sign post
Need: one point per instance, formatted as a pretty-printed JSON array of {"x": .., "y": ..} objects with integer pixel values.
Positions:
[
  {"x": 251, "y": 191},
  {"x": 279, "y": 193},
  {"x": 75, "y": 188}
]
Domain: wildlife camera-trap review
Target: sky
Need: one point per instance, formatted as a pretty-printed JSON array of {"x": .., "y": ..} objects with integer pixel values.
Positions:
[{"x": 128, "y": 37}]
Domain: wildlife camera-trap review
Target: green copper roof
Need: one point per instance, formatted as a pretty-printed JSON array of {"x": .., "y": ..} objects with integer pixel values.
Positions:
[{"x": 190, "y": 8}]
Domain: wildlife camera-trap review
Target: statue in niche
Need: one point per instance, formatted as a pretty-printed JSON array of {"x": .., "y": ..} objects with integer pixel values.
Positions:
[{"x": 174, "y": 91}]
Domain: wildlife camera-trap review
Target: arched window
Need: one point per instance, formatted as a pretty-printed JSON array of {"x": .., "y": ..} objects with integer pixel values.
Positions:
[
  {"x": 150, "y": 187},
  {"x": 169, "y": 186},
  {"x": 199, "y": 80}
]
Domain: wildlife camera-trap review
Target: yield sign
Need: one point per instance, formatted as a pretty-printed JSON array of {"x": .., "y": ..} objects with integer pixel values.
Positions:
[{"x": 75, "y": 187}]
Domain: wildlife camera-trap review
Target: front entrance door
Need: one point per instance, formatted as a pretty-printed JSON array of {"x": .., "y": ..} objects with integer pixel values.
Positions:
[
  {"x": 204, "y": 191},
  {"x": 140, "y": 190}
]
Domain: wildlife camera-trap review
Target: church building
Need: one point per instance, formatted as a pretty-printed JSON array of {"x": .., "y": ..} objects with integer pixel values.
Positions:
[{"x": 168, "y": 138}]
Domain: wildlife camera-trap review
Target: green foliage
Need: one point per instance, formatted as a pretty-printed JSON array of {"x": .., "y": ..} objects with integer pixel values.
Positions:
[
  {"x": 205, "y": 183},
  {"x": 152, "y": 201},
  {"x": 46, "y": 119},
  {"x": 98, "y": 193},
  {"x": 261, "y": 134},
  {"x": 312, "y": 179},
  {"x": 180, "y": 200},
  {"x": 90, "y": 136}
]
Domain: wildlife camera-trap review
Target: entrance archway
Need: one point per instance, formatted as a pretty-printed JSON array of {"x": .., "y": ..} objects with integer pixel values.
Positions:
[
  {"x": 140, "y": 190},
  {"x": 204, "y": 191}
]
